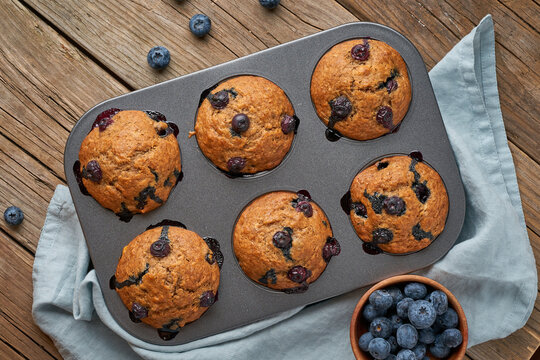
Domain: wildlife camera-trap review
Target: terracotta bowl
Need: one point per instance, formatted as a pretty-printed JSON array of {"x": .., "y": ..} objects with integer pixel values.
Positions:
[{"x": 360, "y": 326}]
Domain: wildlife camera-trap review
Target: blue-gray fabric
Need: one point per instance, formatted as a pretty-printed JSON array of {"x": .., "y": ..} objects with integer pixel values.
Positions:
[{"x": 491, "y": 269}]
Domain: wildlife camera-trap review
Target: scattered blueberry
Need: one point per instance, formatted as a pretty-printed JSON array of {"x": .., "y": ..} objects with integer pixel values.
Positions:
[
  {"x": 104, "y": 119},
  {"x": 361, "y": 51},
  {"x": 407, "y": 336},
  {"x": 394, "y": 205},
  {"x": 13, "y": 215},
  {"x": 236, "y": 164},
  {"x": 393, "y": 344},
  {"x": 298, "y": 274},
  {"x": 438, "y": 349},
  {"x": 396, "y": 322},
  {"x": 451, "y": 338},
  {"x": 402, "y": 307},
  {"x": 381, "y": 300},
  {"x": 406, "y": 354},
  {"x": 139, "y": 311},
  {"x": 415, "y": 290},
  {"x": 382, "y": 236},
  {"x": 305, "y": 207},
  {"x": 359, "y": 209},
  {"x": 282, "y": 239},
  {"x": 341, "y": 107},
  {"x": 331, "y": 248},
  {"x": 158, "y": 57},
  {"x": 447, "y": 320},
  {"x": 426, "y": 336},
  {"x": 208, "y": 298},
  {"x": 240, "y": 123},
  {"x": 419, "y": 350},
  {"x": 439, "y": 301},
  {"x": 288, "y": 124},
  {"x": 381, "y": 327},
  {"x": 364, "y": 341},
  {"x": 385, "y": 116},
  {"x": 92, "y": 171},
  {"x": 219, "y": 100},
  {"x": 160, "y": 248},
  {"x": 200, "y": 25},
  {"x": 379, "y": 348},
  {"x": 370, "y": 313},
  {"x": 269, "y": 4},
  {"x": 396, "y": 294},
  {"x": 422, "y": 314}
]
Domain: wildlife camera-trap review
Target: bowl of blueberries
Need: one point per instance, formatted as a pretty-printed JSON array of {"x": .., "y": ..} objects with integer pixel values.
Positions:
[{"x": 408, "y": 317}]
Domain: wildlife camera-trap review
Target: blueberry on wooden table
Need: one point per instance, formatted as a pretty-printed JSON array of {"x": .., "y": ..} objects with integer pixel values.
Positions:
[
  {"x": 158, "y": 57},
  {"x": 269, "y": 4},
  {"x": 13, "y": 215},
  {"x": 200, "y": 25}
]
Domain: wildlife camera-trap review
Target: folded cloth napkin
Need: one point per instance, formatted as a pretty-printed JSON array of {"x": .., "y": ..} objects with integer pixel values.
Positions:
[{"x": 491, "y": 269}]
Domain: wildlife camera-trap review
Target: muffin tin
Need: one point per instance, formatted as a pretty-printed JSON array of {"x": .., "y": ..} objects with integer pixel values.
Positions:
[{"x": 208, "y": 202}]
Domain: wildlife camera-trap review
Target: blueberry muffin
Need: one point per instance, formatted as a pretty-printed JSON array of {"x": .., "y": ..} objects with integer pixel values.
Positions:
[
  {"x": 283, "y": 240},
  {"x": 167, "y": 277},
  {"x": 399, "y": 204},
  {"x": 361, "y": 89},
  {"x": 130, "y": 161},
  {"x": 245, "y": 125}
]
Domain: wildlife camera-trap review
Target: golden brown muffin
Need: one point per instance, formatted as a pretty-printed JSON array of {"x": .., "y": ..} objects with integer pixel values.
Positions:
[
  {"x": 283, "y": 240},
  {"x": 361, "y": 88},
  {"x": 167, "y": 277},
  {"x": 398, "y": 204},
  {"x": 130, "y": 161},
  {"x": 245, "y": 125}
]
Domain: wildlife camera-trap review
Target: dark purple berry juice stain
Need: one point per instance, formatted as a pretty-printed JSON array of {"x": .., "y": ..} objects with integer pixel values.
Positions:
[
  {"x": 371, "y": 249},
  {"x": 306, "y": 195},
  {"x": 174, "y": 128},
  {"x": 346, "y": 202},
  {"x": 167, "y": 334},
  {"x": 78, "y": 177},
  {"x": 112, "y": 282},
  {"x": 167, "y": 222},
  {"x": 417, "y": 155},
  {"x": 332, "y": 135}
]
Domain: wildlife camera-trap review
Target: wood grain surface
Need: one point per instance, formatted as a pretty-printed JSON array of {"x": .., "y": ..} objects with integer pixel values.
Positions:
[{"x": 58, "y": 58}]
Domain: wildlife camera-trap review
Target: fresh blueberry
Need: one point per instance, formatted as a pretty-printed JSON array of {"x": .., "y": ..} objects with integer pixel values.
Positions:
[
  {"x": 438, "y": 349},
  {"x": 402, "y": 308},
  {"x": 340, "y": 107},
  {"x": 439, "y": 301},
  {"x": 160, "y": 248},
  {"x": 381, "y": 300},
  {"x": 396, "y": 322},
  {"x": 384, "y": 116},
  {"x": 370, "y": 313},
  {"x": 379, "y": 348},
  {"x": 419, "y": 350},
  {"x": 396, "y": 294},
  {"x": 415, "y": 291},
  {"x": 13, "y": 215},
  {"x": 451, "y": 338},
  {"x": 447, "y": 320},
  {"x": 298, "y": 274},
  {"x": 331, "y": 248},
  {"x": 269, "y": 4},
  {"x": 382, "y": 236},
  {"x": 391, "y": 357},
  {"x": 381, "y": 327},
  {"x": 282, "y": 239},
  {"x": 361, "y": 51},
  {"x": 359, "y": 209},
  {"x": 158, "y": 57},
  {"x": 219, "y": 100},
  {"x": 92, "y": 171},
  {"x": 406, "y": 354},
  {"x": 426, "y": 336},
  {"x": 288, "y": 124},
  {"x": 407, "y": 336},
  {"x": 394, "y": 205},
  {"x": 104, "y": 119},
  {"x": 207, "y": 298},
  {"x": 236, "y": 164},
  {"x": 305, "y": 207},
  {"x": 422, "y": 314},
  {"x": 364, "y": 341},
  {"x": 200, "y": 25},
  {"x": 240, "y": 123},
  {"x": 393, "y": 344},
  {"x": 139, "y": 311}
]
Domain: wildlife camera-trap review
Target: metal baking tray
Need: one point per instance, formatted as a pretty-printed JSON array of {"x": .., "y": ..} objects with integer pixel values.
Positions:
[{"x": 208, "y": 202}]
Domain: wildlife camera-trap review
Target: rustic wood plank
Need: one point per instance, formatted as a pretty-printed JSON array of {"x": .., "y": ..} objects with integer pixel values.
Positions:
[
  {"x": 527, "y": 11},
  {"x": 6, "y": 352},
  {"x": 16, "y": 301},
  {"x": 10, "y": 334}
]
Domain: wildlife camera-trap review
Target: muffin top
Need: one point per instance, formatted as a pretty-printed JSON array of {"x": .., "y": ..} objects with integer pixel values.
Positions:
[
  {"x": 168, "y": 276},
  {"x": 283, "y": 240},
  {"x": 361, "y": 88},
  {"x": 398, "y": 204},
  {"x": 130, "y": 161},
  {"x": 245, "y": 125}
]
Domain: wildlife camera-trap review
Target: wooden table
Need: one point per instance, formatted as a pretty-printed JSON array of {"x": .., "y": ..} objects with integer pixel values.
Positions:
[{"x": 59, "y": 58}]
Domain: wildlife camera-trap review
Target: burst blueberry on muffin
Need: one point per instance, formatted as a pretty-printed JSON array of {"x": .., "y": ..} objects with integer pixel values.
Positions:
[
  {"x": 399, "y": 204},
  {"x": 284, "y": 241},
  {"x": 130, "y": 161},
  {"x": 361, "y": 89},
  {"x": 245, "y": 125},
  {"x": 167, "y": 277}
]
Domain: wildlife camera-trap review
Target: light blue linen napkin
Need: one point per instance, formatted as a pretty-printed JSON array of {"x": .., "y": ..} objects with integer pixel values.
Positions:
[{"x": 496, "y": 286}]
